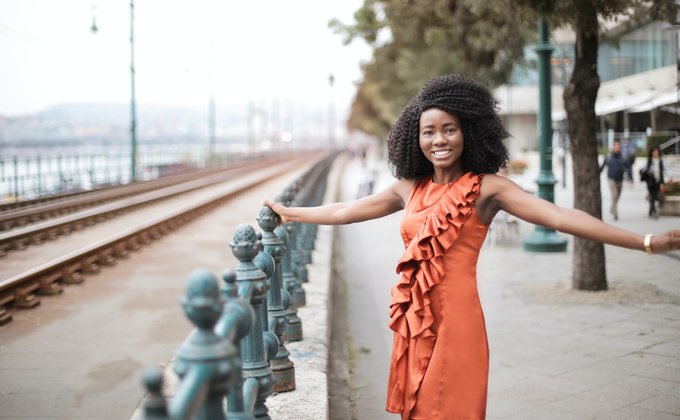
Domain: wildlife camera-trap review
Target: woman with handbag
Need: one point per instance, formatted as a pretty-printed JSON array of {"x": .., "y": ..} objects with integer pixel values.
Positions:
[{"x": 654, "y": 176}]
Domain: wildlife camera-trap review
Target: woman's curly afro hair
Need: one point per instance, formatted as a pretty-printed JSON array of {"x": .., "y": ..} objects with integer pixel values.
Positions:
[{"x": 473, "y": 104}]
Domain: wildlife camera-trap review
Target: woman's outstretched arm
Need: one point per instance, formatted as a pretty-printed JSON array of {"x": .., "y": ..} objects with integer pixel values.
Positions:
[
  {"x": 373, "y": 206},
  {"x": 504, "y": 194}
]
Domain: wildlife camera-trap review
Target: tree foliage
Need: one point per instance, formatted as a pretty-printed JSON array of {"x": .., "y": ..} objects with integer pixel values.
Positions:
[{"x": 414, "y": 41}]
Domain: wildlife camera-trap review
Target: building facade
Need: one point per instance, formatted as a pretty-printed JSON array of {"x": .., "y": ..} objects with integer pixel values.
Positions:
[{"x": 639, "y": 94}]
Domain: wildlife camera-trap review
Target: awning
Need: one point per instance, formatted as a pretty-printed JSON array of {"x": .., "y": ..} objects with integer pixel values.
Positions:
[
  {"x": 656, "y": 101},
  {"x": 638, "y": 102},
  {"x": 609, "y": 105}
]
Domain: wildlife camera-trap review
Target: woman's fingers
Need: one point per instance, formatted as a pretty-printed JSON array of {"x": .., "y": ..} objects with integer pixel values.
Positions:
[
  {"x": 669, "y": 241},
  {"x": 674, "y": 239},
  {"x": 277, "y": 208}
]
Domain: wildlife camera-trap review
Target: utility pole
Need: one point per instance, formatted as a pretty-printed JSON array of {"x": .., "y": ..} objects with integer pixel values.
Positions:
[{"x": 133, "y": 105}]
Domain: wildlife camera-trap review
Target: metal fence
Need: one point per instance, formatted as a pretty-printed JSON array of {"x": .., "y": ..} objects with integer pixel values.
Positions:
[
  {"x": 237, "y": 353},
  {"x": 23, "y": 178}
]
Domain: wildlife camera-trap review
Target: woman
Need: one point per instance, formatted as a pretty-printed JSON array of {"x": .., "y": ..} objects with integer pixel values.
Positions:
[
  {"x": 655, "y": 178},
  {"x": 444, "y": 149}
]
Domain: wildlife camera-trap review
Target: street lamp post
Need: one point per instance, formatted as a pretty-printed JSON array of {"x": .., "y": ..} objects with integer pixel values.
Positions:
[
  {"x": 331, "y": 119},
  {"x": 133, "y": 105},
  {"x": 212, "y": 130},
  {"x": 544, "y": 239}
]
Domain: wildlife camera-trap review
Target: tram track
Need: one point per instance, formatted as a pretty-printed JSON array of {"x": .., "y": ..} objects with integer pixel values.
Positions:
[
  {"x": 23, "y": 289},
  {"x": 119, "y": 202},
  {"x": 21, "y": 213}
]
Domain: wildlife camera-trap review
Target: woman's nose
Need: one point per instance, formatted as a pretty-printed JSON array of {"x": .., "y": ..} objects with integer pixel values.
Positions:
[{"x": 438, "y": 138}]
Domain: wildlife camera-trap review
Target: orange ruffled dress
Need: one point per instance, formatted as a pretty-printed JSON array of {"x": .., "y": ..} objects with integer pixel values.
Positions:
[{"x": 440, "y": 356}]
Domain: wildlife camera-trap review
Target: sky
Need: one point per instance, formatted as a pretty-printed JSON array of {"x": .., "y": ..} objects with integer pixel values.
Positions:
[{"x": 185, "y": 51}]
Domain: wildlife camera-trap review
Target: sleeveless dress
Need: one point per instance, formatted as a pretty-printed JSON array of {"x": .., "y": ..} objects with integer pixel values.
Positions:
[{"x": 440, "y": 357}]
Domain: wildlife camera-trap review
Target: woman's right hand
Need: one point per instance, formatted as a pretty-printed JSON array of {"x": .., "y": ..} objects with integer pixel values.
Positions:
[{"x": 278, "y": 208}]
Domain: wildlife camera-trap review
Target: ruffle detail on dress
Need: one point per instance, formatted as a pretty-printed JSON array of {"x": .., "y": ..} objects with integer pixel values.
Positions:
[{"x": 421, "y": 268}]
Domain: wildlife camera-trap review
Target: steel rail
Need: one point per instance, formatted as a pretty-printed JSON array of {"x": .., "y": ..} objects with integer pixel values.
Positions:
[
  {"x": 60, "y": 205},
  {"x": 21, "y": 238},
  {"x": 21, "y": 291}
]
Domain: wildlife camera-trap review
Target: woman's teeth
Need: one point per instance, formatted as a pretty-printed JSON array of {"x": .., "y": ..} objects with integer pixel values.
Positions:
[{"x": 440, "y": 153}]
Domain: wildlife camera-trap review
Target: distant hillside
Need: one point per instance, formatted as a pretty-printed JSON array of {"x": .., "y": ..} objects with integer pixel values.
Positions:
[
  {"x": 105, "y": 123},
  {"x": 111, "y": 121}
]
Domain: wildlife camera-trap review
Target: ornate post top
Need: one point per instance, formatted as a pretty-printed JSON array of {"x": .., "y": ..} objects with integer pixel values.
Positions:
[
  {"x": 245, "y": 245},
  {"x": 267, "y": 219},
  {"x": 203, "y": 303}
]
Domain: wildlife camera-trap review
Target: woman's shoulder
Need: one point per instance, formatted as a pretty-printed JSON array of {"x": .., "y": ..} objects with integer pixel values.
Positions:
[
  {"x": 492, "y": 184},
  {"x": 492, "y": 180},
  {"x": 403, "y": 187}
]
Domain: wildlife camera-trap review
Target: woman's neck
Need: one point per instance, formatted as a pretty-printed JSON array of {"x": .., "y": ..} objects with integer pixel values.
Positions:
[{"x": 445, "y": 177}]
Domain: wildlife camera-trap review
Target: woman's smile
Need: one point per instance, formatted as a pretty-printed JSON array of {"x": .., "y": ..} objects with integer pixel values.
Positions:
[{"x": 441, "y": 153}]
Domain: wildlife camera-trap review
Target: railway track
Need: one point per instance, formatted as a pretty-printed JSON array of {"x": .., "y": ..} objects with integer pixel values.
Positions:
[
  {"x": 21, "y": 213},
  {"x": 120, "y": 201},
  {"x": 22, "y": 290}
]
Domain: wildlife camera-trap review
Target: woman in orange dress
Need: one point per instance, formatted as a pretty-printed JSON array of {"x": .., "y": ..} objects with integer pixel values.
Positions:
[{"x": 445, "y": 150}]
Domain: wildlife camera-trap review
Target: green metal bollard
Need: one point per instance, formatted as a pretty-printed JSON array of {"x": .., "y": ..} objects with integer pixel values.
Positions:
[
  {"x": 155, "y": 407},
  {"x": 290, "y": 279},
  {"x": 283, "y": 369},
  {"x": 293, "y": 331},
  {"x": 236, "y": 322},
  {"x": 266, "y": 263},
  {"x": 252, "y": 287},
  {"x": 205, "y": 362}
]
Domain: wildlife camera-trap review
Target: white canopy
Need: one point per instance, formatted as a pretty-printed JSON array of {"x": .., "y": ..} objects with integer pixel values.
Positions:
[{"x": 656, "y": 101}]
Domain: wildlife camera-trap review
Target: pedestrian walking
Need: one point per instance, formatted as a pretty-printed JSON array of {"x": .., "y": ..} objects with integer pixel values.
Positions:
[
  {"x": 618, "y": 167},
  {"x": 445, "y": 150},
  {"x": 653, "y": 175}
]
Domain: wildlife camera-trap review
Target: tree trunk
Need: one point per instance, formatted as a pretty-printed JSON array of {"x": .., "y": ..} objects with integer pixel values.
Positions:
[{"x": 588, "y": 265}]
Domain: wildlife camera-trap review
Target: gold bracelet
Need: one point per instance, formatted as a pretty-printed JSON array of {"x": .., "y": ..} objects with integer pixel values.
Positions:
[{"x": 648, "y": 243}]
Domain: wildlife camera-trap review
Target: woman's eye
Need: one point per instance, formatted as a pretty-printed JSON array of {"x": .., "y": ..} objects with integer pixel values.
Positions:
[{"x": 450, "y": 130}]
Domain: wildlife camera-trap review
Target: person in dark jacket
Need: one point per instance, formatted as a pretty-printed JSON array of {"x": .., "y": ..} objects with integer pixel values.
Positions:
[
  {"x": 617, "y": 166},
  {"x": 654, "y": 177}
]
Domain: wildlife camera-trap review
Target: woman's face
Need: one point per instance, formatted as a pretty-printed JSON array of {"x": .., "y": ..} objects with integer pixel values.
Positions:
[
  {"x": 441, "y": 139},
  {"x": 655, "y": 153}
]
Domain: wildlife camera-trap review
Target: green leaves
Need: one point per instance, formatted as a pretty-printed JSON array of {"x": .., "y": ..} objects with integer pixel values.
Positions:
[{"x": 416, "y": 41}]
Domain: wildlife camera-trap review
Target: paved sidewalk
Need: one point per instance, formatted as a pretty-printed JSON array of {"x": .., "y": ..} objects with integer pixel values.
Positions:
[{"x": 555, "y": 353}]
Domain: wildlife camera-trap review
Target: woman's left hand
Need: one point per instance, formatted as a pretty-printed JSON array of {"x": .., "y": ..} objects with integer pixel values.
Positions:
[{"x": 669, "y": 241}]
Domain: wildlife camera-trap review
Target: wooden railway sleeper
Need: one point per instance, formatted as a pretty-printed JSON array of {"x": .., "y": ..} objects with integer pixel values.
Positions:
[
  {"x": 71, "y": 274},
  {"x": 24, "y": 298},
  {"x": 5, "y": 315},
  {"x": 50, "y": 285},
  {"x": 120, "y": 250}
]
